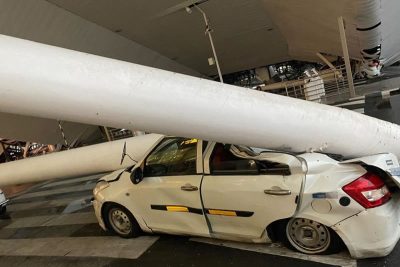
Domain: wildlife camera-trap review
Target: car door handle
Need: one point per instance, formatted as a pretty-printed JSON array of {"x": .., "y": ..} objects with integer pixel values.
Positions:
[
  {"x": 277, "y": 192},
  {"x": 189, "y": 187}
]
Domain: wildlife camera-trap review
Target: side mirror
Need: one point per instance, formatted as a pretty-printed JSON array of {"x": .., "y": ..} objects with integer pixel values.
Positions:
[{"x": 137, "y": 175}]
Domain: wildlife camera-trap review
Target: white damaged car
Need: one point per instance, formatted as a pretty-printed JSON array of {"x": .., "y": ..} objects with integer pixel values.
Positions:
[{"x": 310, "y": 202}]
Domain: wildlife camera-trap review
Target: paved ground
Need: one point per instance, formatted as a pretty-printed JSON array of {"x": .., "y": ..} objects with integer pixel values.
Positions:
[{"x": 53, "y": 224}]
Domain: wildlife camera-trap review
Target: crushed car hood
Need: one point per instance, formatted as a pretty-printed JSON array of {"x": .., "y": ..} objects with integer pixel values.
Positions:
[{"x": 113, "y": 176}]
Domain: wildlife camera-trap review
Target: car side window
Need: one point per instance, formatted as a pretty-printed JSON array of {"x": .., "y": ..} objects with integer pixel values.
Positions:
[
  {"x": 173, "y": 156},
  {"x": 224, "y": 162}
]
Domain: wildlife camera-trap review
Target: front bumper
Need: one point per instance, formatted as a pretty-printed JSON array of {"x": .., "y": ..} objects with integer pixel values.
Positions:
[
  {"x": 4, "y": 203},
  {"x": 97, "y": 205},
  {"x": 373, "y": 232}
]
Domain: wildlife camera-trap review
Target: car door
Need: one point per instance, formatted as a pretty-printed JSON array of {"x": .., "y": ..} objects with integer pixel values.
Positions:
[
  {"x": 242, "y": 196},
  {"x": 168, "y": 197}
]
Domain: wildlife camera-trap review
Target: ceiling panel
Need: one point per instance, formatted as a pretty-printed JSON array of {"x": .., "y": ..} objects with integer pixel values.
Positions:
[
  {"x": 245, "y": 36},
  {"x": 247, "y": 33}
]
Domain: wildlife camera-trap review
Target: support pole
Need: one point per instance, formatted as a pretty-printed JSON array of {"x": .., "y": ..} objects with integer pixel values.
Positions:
[
  {"x": 107, "y": 133},
  {"x": 63, "y": 134},
  {"x": 346, "y": 56},
  {"x": 327, "y": 62},
  {"x": 26, "y": 148},
  {"x": 208, "y": 32}
]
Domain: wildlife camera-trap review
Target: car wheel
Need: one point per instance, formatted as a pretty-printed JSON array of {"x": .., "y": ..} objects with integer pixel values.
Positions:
[
  {"x": 311, "y": 237},
  {"x": 121, "y": 221},
  {"x": 3, "y": 210}
]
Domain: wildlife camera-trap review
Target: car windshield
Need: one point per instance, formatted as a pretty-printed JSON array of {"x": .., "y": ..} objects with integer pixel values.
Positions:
[{"x": 173, "y": 151}]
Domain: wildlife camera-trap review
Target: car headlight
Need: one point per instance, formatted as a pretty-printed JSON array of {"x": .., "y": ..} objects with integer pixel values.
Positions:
[{"x": 101, "y": 185}]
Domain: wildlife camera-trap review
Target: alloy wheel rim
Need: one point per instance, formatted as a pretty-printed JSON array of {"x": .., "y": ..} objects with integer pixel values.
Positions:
[{"x": 308, "y": 236}]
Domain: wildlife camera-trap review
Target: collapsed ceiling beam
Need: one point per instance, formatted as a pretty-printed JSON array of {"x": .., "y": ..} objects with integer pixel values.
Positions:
[
  {"x": 76, "y": 162},
  {"x": 57, "y": 83}
]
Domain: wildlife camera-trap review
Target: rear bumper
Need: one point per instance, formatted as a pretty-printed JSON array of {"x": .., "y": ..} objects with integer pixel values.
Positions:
[{"x": 373, "y": 232}]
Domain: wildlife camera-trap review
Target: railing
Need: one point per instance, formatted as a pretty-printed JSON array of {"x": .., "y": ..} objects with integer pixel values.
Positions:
[{"x": 326, "y": 87}]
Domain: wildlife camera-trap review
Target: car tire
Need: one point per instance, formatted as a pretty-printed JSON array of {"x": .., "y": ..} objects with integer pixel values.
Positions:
[
  {"x": 120, "y": 221},
  {"x": 310, "y": 237},
  {"x": 3, "y": 210}
]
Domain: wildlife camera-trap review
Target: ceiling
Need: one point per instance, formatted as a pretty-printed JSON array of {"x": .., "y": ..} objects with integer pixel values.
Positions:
[
  {"x": 247, "y": 33},
  {"x": 244, "y": 35}
]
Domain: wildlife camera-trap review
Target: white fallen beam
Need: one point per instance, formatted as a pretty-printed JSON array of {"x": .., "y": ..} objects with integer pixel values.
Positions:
[
  {"x": 77, "y": 162},
  {"x": 52, "y": 82}
]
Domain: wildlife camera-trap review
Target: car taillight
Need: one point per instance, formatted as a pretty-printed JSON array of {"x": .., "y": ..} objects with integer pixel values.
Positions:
[{"x": 369, "y": 190}]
